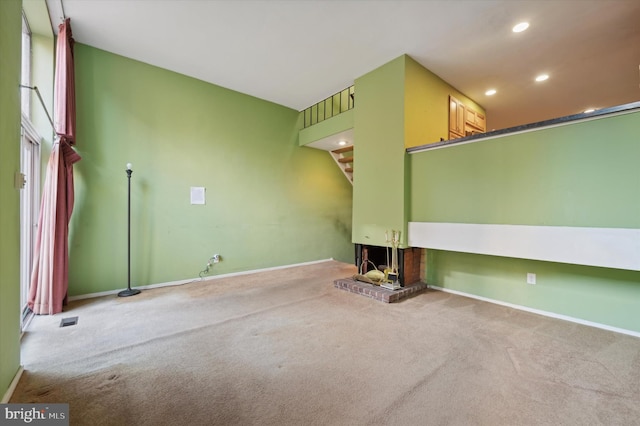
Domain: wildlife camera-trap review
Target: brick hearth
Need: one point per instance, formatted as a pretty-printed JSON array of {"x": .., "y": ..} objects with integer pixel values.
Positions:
[{"x": 379, "y": 293}]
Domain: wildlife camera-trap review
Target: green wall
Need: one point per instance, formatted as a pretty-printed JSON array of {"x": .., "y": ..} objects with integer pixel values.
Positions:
[
  {"x": 582, "y": 175},
  {"x": 379, "y": 155},
  {"x": 601, "y": 295},
  {"x": 10, "y": 41},
  {"x": 269, "y": 201}
]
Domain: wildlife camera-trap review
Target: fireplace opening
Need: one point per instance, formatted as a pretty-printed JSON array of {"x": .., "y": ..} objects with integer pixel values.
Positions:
[{"x": 408, "y": 261}]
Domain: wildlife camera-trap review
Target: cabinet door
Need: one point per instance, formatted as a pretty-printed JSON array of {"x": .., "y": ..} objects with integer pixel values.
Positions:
[
  {"x": 461, "y": 117},
  {"x": 471, "y": 117},
  {"x": 454, "y": 135},
  {"x": 453, "y": 114},
  {"x": 481, "y": 122},
  {"x": 475, "y": 122},
  {"x": 456, "y": 118}
]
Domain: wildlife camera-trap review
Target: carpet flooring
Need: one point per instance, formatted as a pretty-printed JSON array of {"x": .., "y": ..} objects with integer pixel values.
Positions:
[{"x": 286, "y": 347}]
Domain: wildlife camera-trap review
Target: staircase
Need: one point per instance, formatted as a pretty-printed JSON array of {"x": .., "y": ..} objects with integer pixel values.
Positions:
[
  {"x": 344, "y": 158},
  {"x": 334, "y": 115}
]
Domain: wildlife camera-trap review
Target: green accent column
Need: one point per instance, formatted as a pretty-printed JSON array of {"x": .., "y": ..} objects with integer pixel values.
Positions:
[
  {"x": 10, "y": 47},
  {"x": 379, "y": 154},
  {"x": 400, "y": 104}
]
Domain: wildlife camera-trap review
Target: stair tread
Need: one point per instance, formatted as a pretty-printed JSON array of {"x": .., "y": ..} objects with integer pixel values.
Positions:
[
  {"x": 346, "y": 160},
  {"x": 344, "y": 149},
  {"x": 348, "y": 169}
]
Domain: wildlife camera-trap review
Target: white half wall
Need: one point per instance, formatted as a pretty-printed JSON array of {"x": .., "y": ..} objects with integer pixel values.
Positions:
[{"x": 617, "y": 248}]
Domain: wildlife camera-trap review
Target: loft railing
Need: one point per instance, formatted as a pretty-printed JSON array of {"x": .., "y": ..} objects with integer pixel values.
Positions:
[{"x": 330, "y": 107}]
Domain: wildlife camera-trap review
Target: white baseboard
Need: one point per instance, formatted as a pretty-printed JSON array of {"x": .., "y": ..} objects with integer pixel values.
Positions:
[
  {"x": 192, "y": 280},
  {"x": 539, "y": 312},
  {"x": 12, "y": 387}
]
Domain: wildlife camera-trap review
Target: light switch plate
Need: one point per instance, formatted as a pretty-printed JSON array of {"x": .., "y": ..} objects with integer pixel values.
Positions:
[{"x": 198, "y": 195}]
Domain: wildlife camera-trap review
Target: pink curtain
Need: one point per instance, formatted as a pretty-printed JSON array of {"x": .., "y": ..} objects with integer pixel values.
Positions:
[{"x": 50, "y": 274}]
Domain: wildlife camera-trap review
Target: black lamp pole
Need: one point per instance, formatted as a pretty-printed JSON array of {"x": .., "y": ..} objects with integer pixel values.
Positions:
[{"x": 128, "y": 291}]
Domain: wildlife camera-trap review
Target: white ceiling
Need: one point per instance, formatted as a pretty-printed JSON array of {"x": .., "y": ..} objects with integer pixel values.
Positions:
[{"x": 296, "y": 53}]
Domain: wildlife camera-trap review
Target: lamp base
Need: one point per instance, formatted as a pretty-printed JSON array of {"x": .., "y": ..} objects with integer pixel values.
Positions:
[{"x": 128, "y": 292}]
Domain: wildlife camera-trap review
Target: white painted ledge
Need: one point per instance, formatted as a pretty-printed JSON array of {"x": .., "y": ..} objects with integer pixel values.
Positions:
[{"x": 617, "y": 248}]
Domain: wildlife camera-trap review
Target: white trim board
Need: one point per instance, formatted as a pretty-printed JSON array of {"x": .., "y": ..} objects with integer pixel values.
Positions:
[
  {"x": 539, "y": 312},
  {"x": 617, "y": 248},
  {"x": 193, "y": 280}
]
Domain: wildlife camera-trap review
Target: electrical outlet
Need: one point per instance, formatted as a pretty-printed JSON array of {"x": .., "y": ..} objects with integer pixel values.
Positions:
[{"x": 531, "y": 278}]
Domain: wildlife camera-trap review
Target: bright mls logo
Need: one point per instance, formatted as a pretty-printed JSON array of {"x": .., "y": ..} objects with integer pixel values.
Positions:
[{"x": 34, "y": 414}]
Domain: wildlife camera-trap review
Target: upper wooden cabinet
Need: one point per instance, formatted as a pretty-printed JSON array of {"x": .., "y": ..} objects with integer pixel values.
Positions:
[
  {"x": 464, "y": 121},
  {"x": 475, "y": 121}
]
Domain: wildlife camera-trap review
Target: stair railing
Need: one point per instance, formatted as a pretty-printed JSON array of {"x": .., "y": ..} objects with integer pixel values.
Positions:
[{"x": 336, "y": 104}]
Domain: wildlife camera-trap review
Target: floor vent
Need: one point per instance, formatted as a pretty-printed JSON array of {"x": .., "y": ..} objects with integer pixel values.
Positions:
[{"x": 68, "y": 321}]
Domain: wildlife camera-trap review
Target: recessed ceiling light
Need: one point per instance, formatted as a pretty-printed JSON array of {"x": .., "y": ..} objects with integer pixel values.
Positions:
[
  {"x": 342, "y": 143},
  {"x": 542, "y": 77},
  {"x": 587, "y": 111},
  {"x": 490, "y": 92},
  {"x": 520, "y": 27}
]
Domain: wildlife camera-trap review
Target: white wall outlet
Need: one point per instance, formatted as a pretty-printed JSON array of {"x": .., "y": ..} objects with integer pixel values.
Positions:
[{"x": 531, "y": 278}]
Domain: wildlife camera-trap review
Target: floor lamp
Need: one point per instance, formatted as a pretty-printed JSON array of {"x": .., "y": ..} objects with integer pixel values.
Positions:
[{"x": 128, "y": 291}]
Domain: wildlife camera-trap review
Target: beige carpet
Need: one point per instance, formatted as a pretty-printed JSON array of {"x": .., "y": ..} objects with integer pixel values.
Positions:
[{"x": 287, "y": 348}]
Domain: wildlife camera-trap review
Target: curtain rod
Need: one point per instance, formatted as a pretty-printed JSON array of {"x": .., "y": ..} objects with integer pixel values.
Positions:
[{"x": 35, "y": 88}]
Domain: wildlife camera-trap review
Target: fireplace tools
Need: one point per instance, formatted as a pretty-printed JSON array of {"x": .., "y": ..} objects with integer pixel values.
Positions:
[{"x": 391, "y": 272}]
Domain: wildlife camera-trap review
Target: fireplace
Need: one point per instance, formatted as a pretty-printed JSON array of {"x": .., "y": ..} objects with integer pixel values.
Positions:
[{"x": 410, "y": 261}]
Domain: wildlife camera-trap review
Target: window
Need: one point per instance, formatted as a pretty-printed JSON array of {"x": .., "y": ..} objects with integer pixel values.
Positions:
[
  {"x": 30, "y": 170},
  {"x": 25, "y": 76}
]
